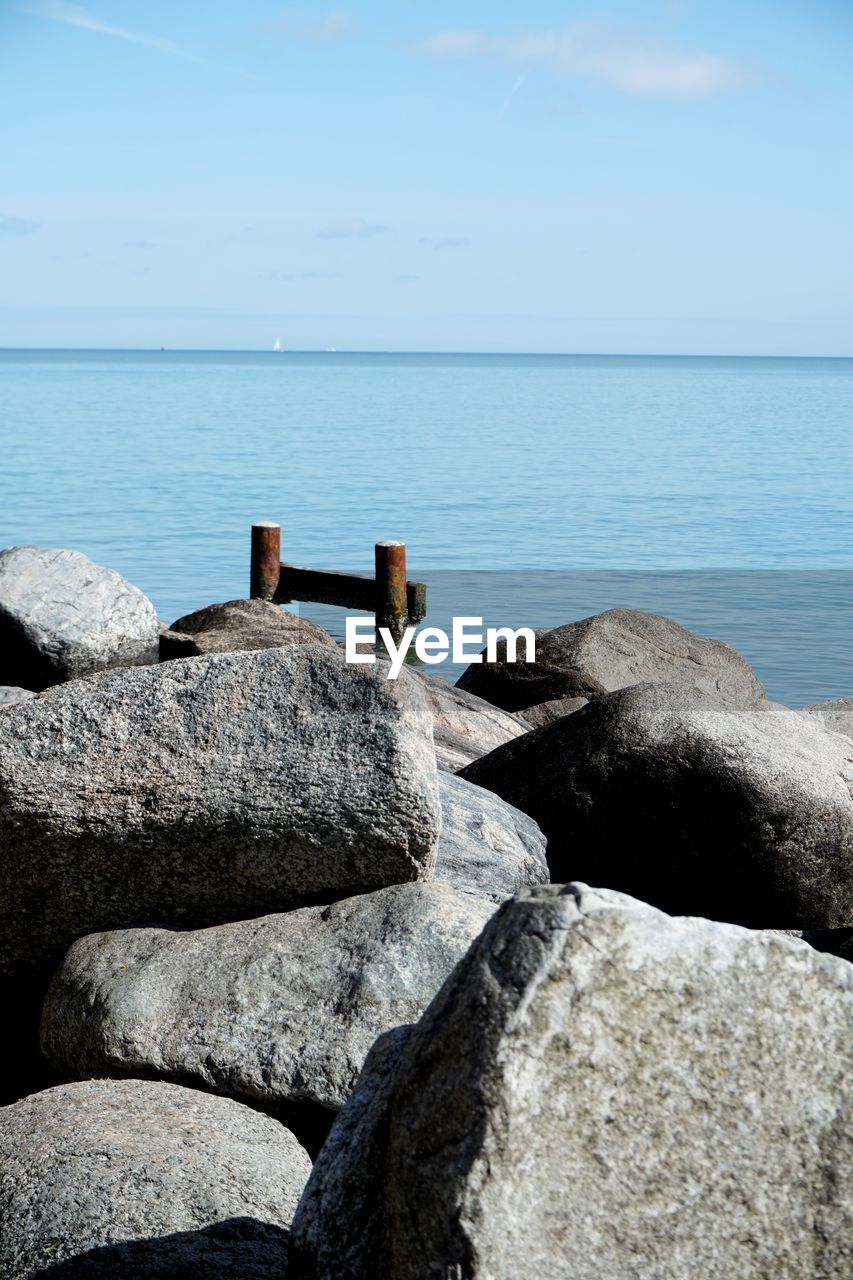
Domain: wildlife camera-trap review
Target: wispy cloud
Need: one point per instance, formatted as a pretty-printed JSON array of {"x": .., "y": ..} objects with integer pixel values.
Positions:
[
  {"x": 450, "y": 242},
  {"x": 75, "y": 16},
  {"x": 351, "y": 229},
  {"x": 333, "y": 25},
  {"x": 614, "y": 56},
  {"x": 324, "y": 28},
  {"x": 507, "y": 103},
  {"x": 304, "y": 275},
  {"x": 463, "y": 44},
  {"x": 12, "y": 226}
]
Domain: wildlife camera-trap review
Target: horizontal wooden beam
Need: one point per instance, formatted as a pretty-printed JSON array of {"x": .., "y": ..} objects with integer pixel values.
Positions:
[
  {"x": 326, "y": 586},
  {"x": 344, "y": 590}
]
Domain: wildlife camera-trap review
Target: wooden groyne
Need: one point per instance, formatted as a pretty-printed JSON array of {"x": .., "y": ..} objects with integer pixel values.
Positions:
[{"x": 395, "y": 601}]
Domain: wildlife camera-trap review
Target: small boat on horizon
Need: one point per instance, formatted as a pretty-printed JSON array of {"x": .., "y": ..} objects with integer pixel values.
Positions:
[{"x": 276, "y": 346}]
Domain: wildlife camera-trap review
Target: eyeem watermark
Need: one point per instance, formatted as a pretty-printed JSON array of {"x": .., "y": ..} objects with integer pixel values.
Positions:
[{"x": 433, "y": 645}]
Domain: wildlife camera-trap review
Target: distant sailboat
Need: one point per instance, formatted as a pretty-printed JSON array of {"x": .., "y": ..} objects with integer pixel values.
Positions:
[{"x": 276, "y": 346}]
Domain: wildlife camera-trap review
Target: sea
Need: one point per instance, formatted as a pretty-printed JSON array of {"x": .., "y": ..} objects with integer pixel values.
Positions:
[{"x": 529, "y": 490}]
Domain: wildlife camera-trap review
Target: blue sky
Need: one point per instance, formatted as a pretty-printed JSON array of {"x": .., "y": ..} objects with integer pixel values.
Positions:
[{"x": 661, "y": 176}]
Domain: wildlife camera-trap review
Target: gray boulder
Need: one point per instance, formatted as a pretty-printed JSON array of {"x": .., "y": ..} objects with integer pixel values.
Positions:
[
  {"x": 599, "y": 1090},
  {"x": 837, "y": 715},
  {"x": 548, "y": 712},
  {"x": 692, "y": 802},
  {"x": 236, "y": 626},
  {"x": 61, "y": 617},
  {"x": 279, "y": 1011},
  {"x": 218, "y": 788},
  {"x": 486, "y": 846},
  {"x": 340, "y": 1220},
  {"x": 610, "y": 651},
  {"x": 10, "y": 693},
  {"x": 464, "y": 726},
  {"x": 139, "y": 1179}
]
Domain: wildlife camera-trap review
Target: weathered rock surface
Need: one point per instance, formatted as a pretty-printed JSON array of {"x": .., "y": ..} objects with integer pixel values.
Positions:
[
  {"x": 10, "y": 693},
  {"x": 610, "y": 651},
  {"x": 62, "y": 616},
  {"x": 464, "y": 726},
  {"x": 599, "y": 1090},
  {"x": 280, "y": 1011},
  {"x": 137, "y": 1179},
  {"x": 836, "y": 715},
  {"x": 486, "y": 846},
  {"x": 692, "y": 802},
  {"x": 217, "y": 788},
  {"x": 340, "y": 1220},
  {"x": 238, "y": 625},
  {"x": 548, "y": 712}
]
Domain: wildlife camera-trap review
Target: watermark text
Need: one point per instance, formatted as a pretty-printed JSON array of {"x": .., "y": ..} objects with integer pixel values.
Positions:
[{"x": 434, "y": 645}]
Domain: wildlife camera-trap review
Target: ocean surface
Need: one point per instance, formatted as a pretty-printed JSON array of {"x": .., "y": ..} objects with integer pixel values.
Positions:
[{"x": 529, "y": 489}]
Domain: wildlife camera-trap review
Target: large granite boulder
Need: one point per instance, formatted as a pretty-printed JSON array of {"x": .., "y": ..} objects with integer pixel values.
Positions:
[
  {"x": 236, "y": 626},
  {"x": 279, "y": 1011},
  {"x": 698, "y": 804},
  {"x": 213, "y": 789},
  {"x": 610, "y": 651},
  {"x": 10, "y": 693},
  {"x": 464, "y": 726},
  {"x": 61, "y": 616},
  {"x": 599, "y": 1090},
  {"x": 836, "y": 715},
  {"x": 486, "y": 846},
  {"x": 548, "y": 712},
  {"x": 134, "y": 1179}
]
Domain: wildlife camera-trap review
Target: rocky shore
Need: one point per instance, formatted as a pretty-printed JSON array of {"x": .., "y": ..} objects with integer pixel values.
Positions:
[{"x": 315, "y": 974}]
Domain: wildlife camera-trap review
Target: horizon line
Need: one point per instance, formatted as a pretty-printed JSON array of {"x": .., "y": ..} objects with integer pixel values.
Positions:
[{"x": 412, "y": 351}]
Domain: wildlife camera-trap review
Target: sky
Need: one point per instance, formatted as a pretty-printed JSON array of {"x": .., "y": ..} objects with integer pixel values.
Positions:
[{"x": 624, "y": 176}]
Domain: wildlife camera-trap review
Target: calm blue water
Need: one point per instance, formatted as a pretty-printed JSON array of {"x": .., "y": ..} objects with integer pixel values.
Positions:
[{"x": 157, "y": 463}]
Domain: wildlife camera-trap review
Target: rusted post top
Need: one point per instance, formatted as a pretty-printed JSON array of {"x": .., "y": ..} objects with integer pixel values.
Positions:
[
  {"x": 266, "y": 560},
  {"x": 391, "y": 595}
]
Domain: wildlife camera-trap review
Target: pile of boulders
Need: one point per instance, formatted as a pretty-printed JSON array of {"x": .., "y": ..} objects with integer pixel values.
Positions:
[{"x": 261, "y": 908}]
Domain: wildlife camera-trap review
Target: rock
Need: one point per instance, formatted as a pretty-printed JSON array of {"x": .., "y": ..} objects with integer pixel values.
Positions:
[
  {"x": 137, "y": 1179},
  {"x": 691, "y": 802},
  {"x": 61, "y": 617},
  {"x": 486, "y": 847},
  {"x": 217, "y": 788},
  {"x": 10, "y": 693},
  {"x": 599, "y": 1090},
  {"x": 174, "y": 645},
  {"x": 279, "y": 1011},
  {"x": 464, "y": 726},
  {"x": 837, "y": 715},
  {"x": 236, "y": 626},
  {"x": 328, "y": 1242},
  {"x": 610, "y": 651},
  {"x": 548, "y": 712}
]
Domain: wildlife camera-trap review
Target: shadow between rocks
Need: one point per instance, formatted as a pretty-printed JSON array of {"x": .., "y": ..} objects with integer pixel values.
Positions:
[{"x": 236, "y": 1249}]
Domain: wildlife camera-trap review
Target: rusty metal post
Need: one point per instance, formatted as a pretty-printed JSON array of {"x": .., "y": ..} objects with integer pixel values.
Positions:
[
  {"x": 391, "y": 602},
  {"x": 266, "y": 560}
]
